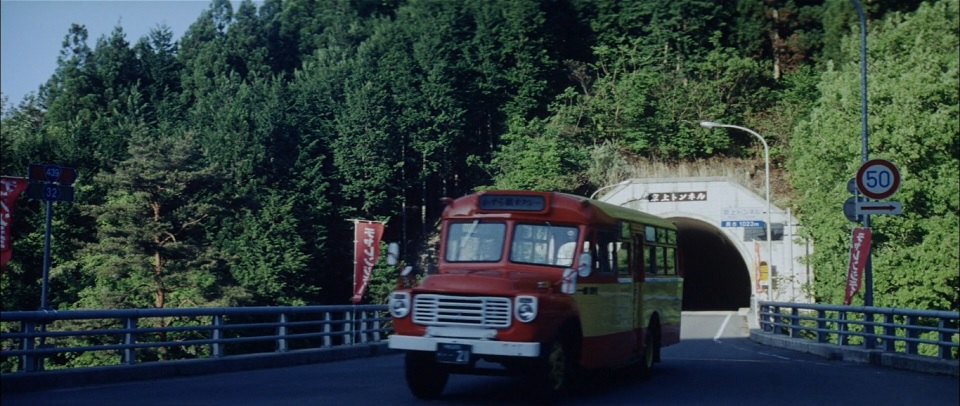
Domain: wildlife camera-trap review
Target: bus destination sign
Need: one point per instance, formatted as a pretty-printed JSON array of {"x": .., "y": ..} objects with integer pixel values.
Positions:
[{"x": 532, "y": 203}]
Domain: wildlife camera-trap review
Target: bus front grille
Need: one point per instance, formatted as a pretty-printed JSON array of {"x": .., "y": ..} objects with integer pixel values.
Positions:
[{"x": 445, "y": 310}]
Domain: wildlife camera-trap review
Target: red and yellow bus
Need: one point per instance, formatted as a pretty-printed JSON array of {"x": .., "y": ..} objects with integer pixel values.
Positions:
[{"x": 544, "y": 284}]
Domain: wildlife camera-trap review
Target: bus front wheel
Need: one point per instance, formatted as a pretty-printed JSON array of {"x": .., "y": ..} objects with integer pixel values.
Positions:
[
  {"x": 425, "y": 378},
  {"x": 558, "y": 367}
]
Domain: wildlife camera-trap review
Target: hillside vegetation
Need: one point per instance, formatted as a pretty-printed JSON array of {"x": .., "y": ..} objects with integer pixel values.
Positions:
[{"x": 222, "y": 168}]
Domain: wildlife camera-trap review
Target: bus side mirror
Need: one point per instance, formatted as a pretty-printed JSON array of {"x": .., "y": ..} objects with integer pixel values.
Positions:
[
  {"x": 583, "y": 268},
  {"x": 393, "y": 254}
]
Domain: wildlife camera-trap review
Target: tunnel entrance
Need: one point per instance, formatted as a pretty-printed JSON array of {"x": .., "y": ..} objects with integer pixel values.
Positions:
[{"x": 716, "y": 276}]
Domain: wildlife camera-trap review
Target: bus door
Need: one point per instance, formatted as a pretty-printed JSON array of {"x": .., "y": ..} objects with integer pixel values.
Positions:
[{"x": 606, "y": 300}]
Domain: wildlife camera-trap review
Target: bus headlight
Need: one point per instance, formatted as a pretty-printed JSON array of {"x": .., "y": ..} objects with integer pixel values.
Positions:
[
  {"x": 399, "y": 304},
  {"x": 525, "y": 308}
]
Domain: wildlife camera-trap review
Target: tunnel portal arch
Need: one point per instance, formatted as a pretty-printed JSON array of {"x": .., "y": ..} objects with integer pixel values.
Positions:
[
  {"x": 721, "y": 258},
  {"x": 716, "y": 276}
]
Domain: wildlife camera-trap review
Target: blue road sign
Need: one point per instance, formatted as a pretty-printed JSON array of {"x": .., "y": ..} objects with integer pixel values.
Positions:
[
  {"x": 742, "y": 223},
  {"x": 50, "y": 192},
  {"x": 52, "y": 173}
]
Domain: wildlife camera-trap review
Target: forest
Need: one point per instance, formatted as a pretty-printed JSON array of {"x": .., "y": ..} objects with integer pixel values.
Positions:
[{"x": 222, "y": 168}]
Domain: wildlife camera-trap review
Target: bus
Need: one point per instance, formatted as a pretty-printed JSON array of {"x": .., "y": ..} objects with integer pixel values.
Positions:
[{"x": 542, "y": 284}]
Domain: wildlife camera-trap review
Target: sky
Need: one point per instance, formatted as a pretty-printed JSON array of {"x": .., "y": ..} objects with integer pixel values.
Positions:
[{"x": 32, "y": 32}]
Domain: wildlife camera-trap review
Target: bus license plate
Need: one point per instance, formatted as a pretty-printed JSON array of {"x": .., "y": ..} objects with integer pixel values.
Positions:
[{"x": 453, "y": 353}]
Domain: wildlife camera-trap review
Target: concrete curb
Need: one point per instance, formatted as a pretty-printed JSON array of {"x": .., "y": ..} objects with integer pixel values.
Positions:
[
  {"x": 36, "y": 381},
  {"x": 860, "y": 355}
]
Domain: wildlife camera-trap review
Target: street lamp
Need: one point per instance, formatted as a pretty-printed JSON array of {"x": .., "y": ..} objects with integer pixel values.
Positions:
[
  {"x": 766, "y": 169},
  {"x": 608, "y": 187}
]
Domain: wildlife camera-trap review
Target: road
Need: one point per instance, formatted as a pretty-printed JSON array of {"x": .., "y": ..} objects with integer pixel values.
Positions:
[{"x": 728, "y": 370}]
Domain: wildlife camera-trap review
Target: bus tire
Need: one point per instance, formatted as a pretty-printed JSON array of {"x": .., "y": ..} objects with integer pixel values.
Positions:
[
  {"x": 558, "y": 367},
  {"x": 651, "y": 350},
  {"x": 425, "y": 377}
]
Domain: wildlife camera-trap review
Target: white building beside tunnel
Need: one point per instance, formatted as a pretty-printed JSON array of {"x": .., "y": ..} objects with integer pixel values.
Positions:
[{"x": 721, "y": 230}]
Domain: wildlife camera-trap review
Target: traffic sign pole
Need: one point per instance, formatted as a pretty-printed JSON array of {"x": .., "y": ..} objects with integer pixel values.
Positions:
[
  {"x": 48, "y": 211},
  {"x": 50, "y": 183}
]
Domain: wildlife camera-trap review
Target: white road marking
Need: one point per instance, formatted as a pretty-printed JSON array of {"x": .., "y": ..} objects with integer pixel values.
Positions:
[{"x": 722, "y": 327}]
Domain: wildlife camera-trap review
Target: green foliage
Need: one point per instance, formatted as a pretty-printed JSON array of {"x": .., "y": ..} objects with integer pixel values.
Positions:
[
  {"x": 914, "y": 110},
  {"x": 149, "y": 251}
]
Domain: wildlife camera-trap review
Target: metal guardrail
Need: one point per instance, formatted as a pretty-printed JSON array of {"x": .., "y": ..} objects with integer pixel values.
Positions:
[
  {"x": 933, "y": 334},
  {"x": 46, "y": 340}
]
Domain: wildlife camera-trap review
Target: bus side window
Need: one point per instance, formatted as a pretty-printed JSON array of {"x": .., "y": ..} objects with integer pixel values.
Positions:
[
  {"x": 623, "y": 258},
  {"x": 671, "y": 261},
  {"x": 662, "y": 261},
  {"x": 607, "y": 255},
  {"x": 651, "y": 259},
  {"x": 588, "y": 247}
]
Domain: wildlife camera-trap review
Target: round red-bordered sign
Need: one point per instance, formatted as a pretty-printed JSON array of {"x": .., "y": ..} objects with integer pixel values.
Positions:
[{"x": 878, "y": 179}]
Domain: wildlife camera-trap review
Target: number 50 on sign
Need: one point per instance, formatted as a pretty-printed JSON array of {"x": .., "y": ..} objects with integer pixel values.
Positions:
[{"x": 878, "y": 179}]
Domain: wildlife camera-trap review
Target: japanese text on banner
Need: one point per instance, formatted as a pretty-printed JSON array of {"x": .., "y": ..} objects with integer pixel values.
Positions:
[
  {"x": 366, "y": 242},
  {"x": 859, "y": 251}
]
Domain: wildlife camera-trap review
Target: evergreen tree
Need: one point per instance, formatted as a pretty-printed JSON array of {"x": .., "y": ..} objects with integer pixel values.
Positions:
[{"x": 150, "y": 250}]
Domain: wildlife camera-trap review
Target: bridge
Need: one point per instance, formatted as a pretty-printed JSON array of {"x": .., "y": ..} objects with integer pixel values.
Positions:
[{"x": 801, "y": 354}]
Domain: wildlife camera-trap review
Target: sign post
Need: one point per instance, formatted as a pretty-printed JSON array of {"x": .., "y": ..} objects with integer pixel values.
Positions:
[
  {"x": 50, "y": 183},
  {"x": 876, "y": 179}
]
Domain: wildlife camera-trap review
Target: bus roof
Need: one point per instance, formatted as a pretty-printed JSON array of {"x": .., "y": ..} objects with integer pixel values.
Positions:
[
  {"x": 558, "y": 202},
  {"x": 623, "y": 213}
]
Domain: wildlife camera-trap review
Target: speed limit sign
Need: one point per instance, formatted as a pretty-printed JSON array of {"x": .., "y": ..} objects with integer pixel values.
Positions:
[{"x": 878, "y": 179}]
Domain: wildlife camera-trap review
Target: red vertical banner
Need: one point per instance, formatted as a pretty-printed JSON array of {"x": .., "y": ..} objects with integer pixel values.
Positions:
[
  {"x": 859, "y": 252},
  {"x": 366, "y": 251},
  {"x": 10, "y": 190}
]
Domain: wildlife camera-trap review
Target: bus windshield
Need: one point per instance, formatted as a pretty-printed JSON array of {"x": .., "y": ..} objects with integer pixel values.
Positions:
[
  {"x": 475, "y": 242},
  {"x": 544, "y": 244}
]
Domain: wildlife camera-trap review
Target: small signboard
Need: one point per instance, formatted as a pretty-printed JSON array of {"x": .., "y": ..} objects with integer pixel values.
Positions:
[
  {"x": 878, "y": 179},
  {"x": 850, "y": 209},
  {"x": 742, "y": 223},
  {"x": 52, "y": 173},
  {"x": 50, "y": 192},
  {"x": 879, "y": 208},
  {"x": 699, "y": 196}
]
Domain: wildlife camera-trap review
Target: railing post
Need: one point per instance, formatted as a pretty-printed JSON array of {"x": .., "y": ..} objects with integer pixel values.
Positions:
[
  {"x": 129, "y": 338},
  {"x": 777, "y": 319},
  {"x": 842, "y": 324},
  {"x": 890, "y": 333},
  {"x": 869, "y": 330},
  {"x": 282, "y": 334},
  {"x": 28, "y": 362},
  {"x": 363, "y": 327},
  {"x": 326, "y": 330},
  {"x": 794, "y": 322},
  {"x": 821, "y": 326},
  {"x": 216, "y": 347},
  {"x": 943, "y": 349},
  {"x": 348, "y": 328},
  {"x": 376, "y": 327},
  {"x": 912, "y": 333}
]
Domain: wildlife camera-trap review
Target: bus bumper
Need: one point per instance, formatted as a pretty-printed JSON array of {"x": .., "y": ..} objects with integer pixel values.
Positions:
[{"x": 479, "y": 347}]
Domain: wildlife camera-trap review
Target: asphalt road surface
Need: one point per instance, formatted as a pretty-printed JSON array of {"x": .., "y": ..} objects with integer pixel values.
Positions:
[{"x": 721, "y": 369}]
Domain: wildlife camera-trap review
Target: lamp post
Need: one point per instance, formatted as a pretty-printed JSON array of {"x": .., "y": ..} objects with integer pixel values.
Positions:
[
  {"x": 608, "y": 187},
  {"x": 766, "y": 170}
]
